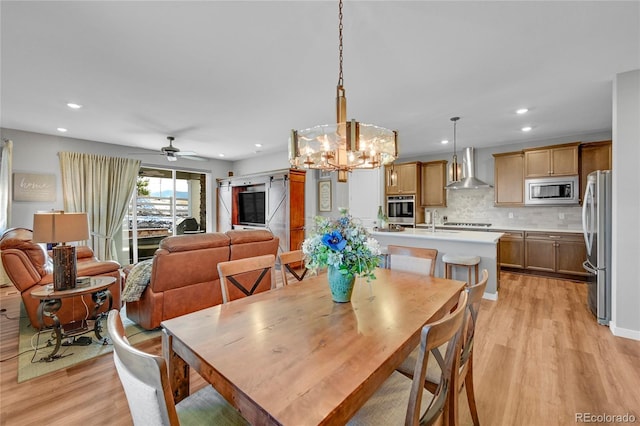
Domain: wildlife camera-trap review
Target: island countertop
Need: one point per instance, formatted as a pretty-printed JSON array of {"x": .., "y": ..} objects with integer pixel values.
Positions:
[
  {"x": 462, "y": 243},
  {"x": 443, "y": 234}
]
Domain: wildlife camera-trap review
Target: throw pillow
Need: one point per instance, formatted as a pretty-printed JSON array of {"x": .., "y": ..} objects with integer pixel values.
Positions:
[{"x": 137, "y": 281}]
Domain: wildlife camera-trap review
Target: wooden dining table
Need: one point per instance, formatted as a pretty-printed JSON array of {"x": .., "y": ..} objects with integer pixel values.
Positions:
[{"x": 292, "y": 356}]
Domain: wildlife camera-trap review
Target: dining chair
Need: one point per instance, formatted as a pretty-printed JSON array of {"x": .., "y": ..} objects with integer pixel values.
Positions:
[
  {"x": 244, "y": 277},
  {"x": 412, "y": 259},
  {"x": 145, "y": 381},
  {"x": 464, "y": 377},
  {"x": 292, "y": 264},
  {"x": 404, "y": 400}
]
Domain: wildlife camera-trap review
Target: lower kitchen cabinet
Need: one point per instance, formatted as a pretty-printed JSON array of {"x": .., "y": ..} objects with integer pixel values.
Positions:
[
  {"x": 512, "y": 250},
  {"x": 557, "y": 252},
  {"x": 540, "y": 253}
]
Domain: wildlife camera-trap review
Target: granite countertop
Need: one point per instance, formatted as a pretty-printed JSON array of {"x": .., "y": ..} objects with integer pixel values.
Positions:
[
  {"x": 497, "y": 228},
  {"x": 444, "y": 234}
]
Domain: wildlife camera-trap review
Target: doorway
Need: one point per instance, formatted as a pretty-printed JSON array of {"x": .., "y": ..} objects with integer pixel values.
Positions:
[{"x": 166, "y": 202}]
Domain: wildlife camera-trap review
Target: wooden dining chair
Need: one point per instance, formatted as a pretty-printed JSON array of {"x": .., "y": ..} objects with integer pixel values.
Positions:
[
  {"x": 145, "y": 381},
  {"x": 412, "y": 259},
  {"x": 244, "y": 277},
  {"x": 403, "y": 400},
  {"x": 292, "y": 265},
  {"x": 464, "y": 367}
]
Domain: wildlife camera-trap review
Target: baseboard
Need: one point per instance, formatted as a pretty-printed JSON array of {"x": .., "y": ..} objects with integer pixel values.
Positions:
[
  {"x": 490, "y": 296},
  {"x": 568, "y": 277},
  {"x": 624, "y": 332}
]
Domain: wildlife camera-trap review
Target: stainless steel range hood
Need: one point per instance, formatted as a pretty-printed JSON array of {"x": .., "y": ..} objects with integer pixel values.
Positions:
[{"x": 469, "y": 181}]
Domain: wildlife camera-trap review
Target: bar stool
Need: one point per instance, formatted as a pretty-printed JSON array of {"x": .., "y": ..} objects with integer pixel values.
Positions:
[
  {"x": 384, "y": 257},
  {"x": 451, "y": 260}
]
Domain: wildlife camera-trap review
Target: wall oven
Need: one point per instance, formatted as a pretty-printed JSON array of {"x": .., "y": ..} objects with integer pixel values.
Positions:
[
  {"x": 401, "y": 210},
  {"x": 552, "y": 191}
]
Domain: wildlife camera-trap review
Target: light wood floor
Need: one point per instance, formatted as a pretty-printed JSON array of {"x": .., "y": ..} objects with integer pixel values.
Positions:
[{"x": 540, "y": 358}]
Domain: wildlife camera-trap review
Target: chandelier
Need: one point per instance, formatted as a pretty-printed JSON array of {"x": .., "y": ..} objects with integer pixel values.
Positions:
[{"x": 346, "y": 145}]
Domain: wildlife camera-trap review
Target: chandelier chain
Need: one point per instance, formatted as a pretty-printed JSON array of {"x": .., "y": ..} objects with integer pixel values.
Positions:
[{"x": 340, "y": 78}]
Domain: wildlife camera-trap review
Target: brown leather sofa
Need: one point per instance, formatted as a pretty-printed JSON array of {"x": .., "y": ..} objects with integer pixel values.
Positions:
[
  {"x": 29, "y": 267},
  {"x": 184, "y": 275}
]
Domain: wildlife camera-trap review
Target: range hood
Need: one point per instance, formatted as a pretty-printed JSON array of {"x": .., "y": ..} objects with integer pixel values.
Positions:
[{"x": 469, "y": 181}]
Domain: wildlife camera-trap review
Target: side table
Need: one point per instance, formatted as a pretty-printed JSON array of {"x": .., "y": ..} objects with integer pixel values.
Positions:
[{"x": 51, "y": 301}]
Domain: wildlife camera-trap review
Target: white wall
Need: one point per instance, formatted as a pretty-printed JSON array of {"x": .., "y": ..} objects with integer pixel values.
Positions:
[
  {"x": 626, "y": 205},
  {"x": 38, "y": 153}
]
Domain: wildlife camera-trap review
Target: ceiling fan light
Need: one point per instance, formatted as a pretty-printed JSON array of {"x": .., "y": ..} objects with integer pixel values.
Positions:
[{"x": 171, "y": 157}]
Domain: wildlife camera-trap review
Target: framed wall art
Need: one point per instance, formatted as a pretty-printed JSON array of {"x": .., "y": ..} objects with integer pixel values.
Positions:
[
  {"x": 324, "y": 196},
  {"x": 34, "y": 187}
]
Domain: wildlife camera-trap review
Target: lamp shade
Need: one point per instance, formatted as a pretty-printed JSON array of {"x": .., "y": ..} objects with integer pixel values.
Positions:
[{"x": 60, "y": 227}]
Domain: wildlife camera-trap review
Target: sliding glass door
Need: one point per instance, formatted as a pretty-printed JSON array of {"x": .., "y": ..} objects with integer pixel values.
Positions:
[{"x": 166, "y": 202}]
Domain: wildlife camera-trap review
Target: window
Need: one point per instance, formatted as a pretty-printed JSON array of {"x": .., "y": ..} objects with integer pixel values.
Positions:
[{"x": 167, "y": 202}]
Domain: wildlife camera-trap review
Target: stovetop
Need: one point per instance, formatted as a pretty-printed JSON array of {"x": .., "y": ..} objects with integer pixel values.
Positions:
[{"x": 468, "y": 224}]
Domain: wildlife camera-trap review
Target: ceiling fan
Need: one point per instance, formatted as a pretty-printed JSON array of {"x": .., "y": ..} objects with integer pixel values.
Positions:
[{"x": 172, "y": 153}]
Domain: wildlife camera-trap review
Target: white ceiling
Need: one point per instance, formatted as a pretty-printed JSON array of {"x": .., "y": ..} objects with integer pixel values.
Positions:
[{"x": 222, "y": 76}]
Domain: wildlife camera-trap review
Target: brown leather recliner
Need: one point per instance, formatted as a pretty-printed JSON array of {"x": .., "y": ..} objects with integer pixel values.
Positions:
[
  {"x": 184, "y": 275},
  {"x": 29, "y": 267}
]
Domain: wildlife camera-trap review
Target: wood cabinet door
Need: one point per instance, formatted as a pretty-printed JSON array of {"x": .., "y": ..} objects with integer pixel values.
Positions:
[
  {"x": 407, "y": 178},
  {"x": 593, "y": 156},
  {"x": 570, "y": 253},
  {"x": 540, "y": 254},
  {"x": 391, "y": 177},
  {"x": 537, "y": 163},
  {"x": 433, "y": 179},
  {"x": 512, "y": 251},
  {"x": 509, "y": 179},
  {"x": 564, "y": 161}
]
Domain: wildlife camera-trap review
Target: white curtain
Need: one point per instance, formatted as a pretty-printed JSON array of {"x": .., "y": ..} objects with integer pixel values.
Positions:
[
  {"x": 6, "y": 154},
  {"x": 102, "y": 187}
]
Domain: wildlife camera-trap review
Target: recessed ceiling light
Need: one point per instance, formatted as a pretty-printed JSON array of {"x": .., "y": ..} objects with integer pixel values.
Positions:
[
  {"x": 522, "y": 110},
  {"x": 526, "y": 128},
  {"x": 220, "y": 155},
  {"x": 444, "y": 141},
  {"x": 62, "y": 129},
  {"x": 73, "y": 105},
  {"x": 258, "y": 145}
]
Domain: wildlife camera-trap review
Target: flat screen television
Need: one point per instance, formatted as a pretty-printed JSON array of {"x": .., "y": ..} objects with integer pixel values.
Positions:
[{"x": 251, "y": 208}]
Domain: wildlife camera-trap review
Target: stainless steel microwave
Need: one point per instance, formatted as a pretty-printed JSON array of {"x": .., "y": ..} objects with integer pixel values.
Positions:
[{"x": 552, "y": 191}]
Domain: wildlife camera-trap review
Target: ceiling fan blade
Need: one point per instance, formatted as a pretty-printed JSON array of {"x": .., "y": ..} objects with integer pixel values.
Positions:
[
  {"x": 183, "y": 153},
  {"x": 191, "y": 157}
]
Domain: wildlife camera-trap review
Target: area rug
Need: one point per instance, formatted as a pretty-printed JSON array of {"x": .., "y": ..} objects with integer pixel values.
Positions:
[{"x": 31, "y": 365}]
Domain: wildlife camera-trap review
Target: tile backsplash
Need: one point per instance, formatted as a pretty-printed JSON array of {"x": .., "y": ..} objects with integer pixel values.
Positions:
[{"x": 476, "y": 205}]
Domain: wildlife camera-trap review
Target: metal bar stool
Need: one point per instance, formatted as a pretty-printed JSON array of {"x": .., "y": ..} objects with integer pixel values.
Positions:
[{"x": 469, "y": 262}]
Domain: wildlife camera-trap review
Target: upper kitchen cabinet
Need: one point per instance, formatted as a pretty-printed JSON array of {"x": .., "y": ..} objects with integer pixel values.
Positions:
[
  {"x": 593, "y": 156},
  {"x": 402, "y": 178},
  {"x": 433, "y": 181},
  {"x": 509, "y": 179},
  {"x": 558, "y": 160}
]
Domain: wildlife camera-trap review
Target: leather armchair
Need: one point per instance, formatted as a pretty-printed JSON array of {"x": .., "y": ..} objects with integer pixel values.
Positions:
[{"x": 29, "y": 267}]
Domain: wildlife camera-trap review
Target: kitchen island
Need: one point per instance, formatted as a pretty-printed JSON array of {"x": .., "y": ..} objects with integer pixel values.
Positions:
[{"x": 466, "y": 243}]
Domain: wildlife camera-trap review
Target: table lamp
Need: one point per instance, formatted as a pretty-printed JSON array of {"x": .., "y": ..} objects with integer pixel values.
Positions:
[{"x": 61, "y": 227}]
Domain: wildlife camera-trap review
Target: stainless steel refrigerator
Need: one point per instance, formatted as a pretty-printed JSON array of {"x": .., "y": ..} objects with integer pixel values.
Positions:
[{"x": 596, "y": 225}]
